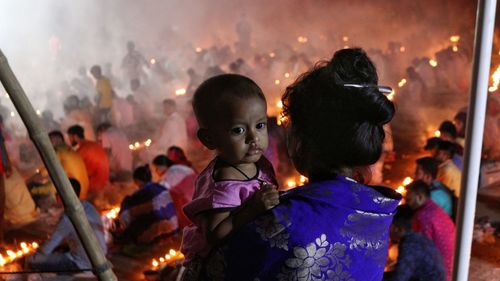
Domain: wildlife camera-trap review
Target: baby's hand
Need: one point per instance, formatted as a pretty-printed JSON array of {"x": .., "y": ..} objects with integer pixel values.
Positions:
[{"x": 266, "y": 198}]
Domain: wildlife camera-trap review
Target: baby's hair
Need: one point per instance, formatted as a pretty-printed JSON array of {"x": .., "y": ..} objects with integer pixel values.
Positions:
[
  {"x": 338, "y": 126},
  {"x": 211, "y": 93}
]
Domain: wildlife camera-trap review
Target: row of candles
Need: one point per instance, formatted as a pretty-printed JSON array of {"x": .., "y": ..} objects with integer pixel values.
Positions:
[
  {"x": 139, "y": 145},
  {"x": 23, "y": 250},
  {"x": 173, "y": 257}
]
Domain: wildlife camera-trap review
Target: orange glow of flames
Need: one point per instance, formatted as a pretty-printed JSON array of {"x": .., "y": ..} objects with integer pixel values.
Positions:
[
  {"x": 138, "y": 145},
  {"x": 496, "y": 80},
  {"x": 113, "y": 213},
  {"x": 454, "y": 38},
  {"x": 173, "y": 256},
  {"x": 391, "y": 95},
  {"x": 11, "y": 256},
  {"x": 180, "y": 92},
  {"x": 433, "y": 62},
  {"x": 437, "y": 134}
]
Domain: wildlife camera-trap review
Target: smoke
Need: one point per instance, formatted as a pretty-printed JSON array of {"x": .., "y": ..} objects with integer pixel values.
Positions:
[{"x": 47, "y": 41}]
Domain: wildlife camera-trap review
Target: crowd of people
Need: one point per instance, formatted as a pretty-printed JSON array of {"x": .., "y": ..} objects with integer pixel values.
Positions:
[{"x": 209, "y": 164}]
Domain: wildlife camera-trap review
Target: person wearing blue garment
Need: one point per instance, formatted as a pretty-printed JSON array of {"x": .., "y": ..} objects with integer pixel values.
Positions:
[
  {"x": 335, "y": 227},
  {"x": 149, "y": 213},
  {"x": 418, "y": 257},
  {"x": 426, "y": 171}
]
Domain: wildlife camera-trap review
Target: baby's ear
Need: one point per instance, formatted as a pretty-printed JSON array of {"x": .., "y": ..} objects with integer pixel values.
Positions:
[{"x": 206, "y": 138}]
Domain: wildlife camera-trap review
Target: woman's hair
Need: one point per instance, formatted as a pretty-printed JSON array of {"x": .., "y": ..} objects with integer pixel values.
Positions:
[
  {"x": 162, "y": 160},
  {"x": 177, "y": 156},
  {"x": 218, "y": 89},
  {"x": 337, "y": 126},
  {"x": 143, "y": 174}
]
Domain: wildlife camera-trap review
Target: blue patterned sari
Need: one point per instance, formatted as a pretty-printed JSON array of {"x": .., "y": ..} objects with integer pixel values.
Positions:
[{"x": 330, "y": 230}]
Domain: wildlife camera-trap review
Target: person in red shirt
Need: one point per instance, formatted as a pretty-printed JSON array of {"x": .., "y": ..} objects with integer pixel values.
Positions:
[
  {"x": 432, "y": 221},
  {"x": 95, "y": 158}
]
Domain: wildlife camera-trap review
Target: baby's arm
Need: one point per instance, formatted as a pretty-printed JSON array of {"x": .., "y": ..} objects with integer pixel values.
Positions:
[{"x": 218, "y": 225}]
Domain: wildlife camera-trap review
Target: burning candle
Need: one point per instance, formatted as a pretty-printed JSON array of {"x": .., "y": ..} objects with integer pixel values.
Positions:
[
  {"x": 277, "y": 82},
  {"x": 455, "y": 49},
  {"x": 496, "y": 80},
  {"x": 291, "y": 183},
  {"x": 391, "y": 95},
  {"x": 131, "y": 147},
  {"x": 402, "y": 49},
  {"x": 407, "y": 181},
  {"x": 437, "y": 134},
  {"x": 433, "y": 62},
  {"x": 454, "y": 38},
  {"x": 180, "y": 92},
  {"x": 287, "y": 75},
  {"x": 152, "y": 61},
  {"x": 345, "y": 38},
  {"x": 402, "y": 83}
]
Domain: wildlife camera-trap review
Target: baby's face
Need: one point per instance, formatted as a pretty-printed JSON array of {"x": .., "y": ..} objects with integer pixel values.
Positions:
[{"x": 241, "y": 131}]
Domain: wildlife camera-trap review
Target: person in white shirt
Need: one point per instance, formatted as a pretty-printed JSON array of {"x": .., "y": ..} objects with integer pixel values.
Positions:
[
  {"x": 116, "y": 145},
  {"x": 173, "y": 131}
]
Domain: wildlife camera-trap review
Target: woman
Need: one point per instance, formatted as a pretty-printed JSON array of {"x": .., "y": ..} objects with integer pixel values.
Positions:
[{"x": 333, "y": 228}]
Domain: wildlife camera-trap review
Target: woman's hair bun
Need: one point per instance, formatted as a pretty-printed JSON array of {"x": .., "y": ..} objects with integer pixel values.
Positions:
[{"x": 374, "y": 107}]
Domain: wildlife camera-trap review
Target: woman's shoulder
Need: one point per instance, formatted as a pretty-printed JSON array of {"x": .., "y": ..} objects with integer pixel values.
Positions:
[{"x": 341, "y": 191}]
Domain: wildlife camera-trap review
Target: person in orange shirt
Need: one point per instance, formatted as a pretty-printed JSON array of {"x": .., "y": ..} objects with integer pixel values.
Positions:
[
  {"x": 93, "y": 156},
  {"x": 71, "y": 162}
]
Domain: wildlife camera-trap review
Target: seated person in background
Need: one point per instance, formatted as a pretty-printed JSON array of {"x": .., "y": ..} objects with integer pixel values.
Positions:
[
  {"x": 20, "y": 209},
  {"x": 71, "y": 162},
  {"x": 115, "y": 143},
  {"x": 426, "y": 171},
  {"x": 177, "y": 155},
  {"x": 430, "y": 220},
  {"x": 418, "y": 257},
  {"x": 432, "y": 145},
  {"x": 449, "y": 133},
  {"x": 171, "y": 173},
  {"x": 46, "y": 259},
  {"x": 93, "y": 156},
  {"x": 179, "y": 181},
  {"x": 148, "y": 214},
  {"x": 448, "y": 173},
  {"x": 460, "y": 120}
]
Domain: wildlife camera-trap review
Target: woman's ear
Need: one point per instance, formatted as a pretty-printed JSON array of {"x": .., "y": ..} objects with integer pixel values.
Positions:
[{"x": 206, "y": 138}]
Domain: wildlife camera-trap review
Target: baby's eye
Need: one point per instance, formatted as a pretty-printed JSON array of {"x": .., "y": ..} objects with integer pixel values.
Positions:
[
  {"x": 237, "y": 130},
  {"x": 261, "y": 125}
]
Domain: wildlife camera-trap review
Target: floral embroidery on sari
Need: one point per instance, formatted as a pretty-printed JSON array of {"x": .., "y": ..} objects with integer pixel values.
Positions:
[{"x": 319, "y": 260}]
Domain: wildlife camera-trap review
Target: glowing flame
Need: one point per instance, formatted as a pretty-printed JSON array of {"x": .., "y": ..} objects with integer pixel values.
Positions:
[
  {"x": 180, "y": 92},
  {"x": 391, "y": 95},
  {"x": 287, "y": 75},
  {"x": 272, "y": 55},
  {"x": 455, "y": 49},
  {"x": 152, "y": 61},
  {"x": 168, "y": 257},
  {"x": 198, "y": 49},
  {"x": 407, "y": 181},
  {"x": 345, "y": 38},
  {"x": 155, "y": 263},
  {"x": 279, "y": 104},
  {"x": 402, "y": 49},
  {"x": 437, "y": 134},
  {"x": 454, "y": 38},
  {"x": 277, "y": 82},
  {"x": 402, "y": 82},
  {"x": 148, "y": 142},
  {"x": 11, "y": 256},
  {"x": 137, "y": 144},
  {"x": 496, "y": 80},
  {"x": 172, "y": 252},
  {"x": 281, "y": 120},
  {"x": 162, "y": 260},
  {"x": 38, "y": 112},
  {"x": 346, "y": 47},
  {"x": 433, "y": 62},
  {"x": 303, "y": 179},
  {"x": 291, "y": 183},
  {"x": 302, "y": 39},
  {"x": 34, "y": 245},
  {"x": 113, "y": 213},
  {"x": 131, "y": 147},
  {"x": 401, "y": 190}
]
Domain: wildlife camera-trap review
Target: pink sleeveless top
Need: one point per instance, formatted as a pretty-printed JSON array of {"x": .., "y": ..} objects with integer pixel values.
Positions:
[{"x": 210, "y": 194}]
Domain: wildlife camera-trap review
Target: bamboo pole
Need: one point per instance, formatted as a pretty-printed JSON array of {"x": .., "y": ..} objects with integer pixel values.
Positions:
[
  {"x": 72, "y": 205},
  {"x": 485, "y": 25}
]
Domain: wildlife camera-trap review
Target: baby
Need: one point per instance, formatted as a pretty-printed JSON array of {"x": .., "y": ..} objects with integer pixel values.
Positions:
[{"x": 239, "y": 184}]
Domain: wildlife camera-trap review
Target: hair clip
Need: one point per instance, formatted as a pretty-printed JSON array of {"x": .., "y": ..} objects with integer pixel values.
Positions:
[{"x": 382, "y": 89}]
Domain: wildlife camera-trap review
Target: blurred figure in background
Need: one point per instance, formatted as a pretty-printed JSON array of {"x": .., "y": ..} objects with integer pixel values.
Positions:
[
  {"x": 115, "y": 143},
  {"x": 104, "y": 94}
]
